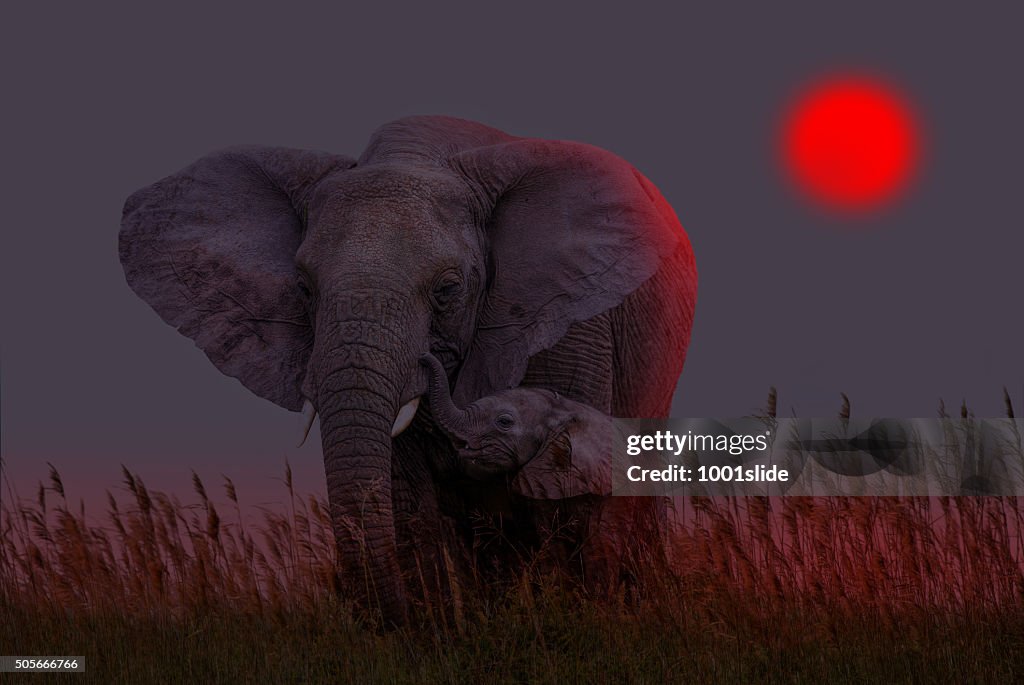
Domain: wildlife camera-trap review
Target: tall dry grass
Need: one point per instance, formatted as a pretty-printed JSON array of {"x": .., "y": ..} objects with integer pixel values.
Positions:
[
  {"x": 156, "y": 555},
  {"x": 886, "y": 557},
  {"x": 779, "y": 574}
]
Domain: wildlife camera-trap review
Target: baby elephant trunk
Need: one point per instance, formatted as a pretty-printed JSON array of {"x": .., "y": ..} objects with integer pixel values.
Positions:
[{"x": 452, "y": 420}]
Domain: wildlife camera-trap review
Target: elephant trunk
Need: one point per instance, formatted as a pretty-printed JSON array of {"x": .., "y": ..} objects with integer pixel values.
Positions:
[
  {"x": 452, "y": 420},
  {"x": 359, "y": 384}
]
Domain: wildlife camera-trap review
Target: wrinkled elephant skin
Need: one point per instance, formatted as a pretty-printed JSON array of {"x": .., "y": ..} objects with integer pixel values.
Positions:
[{"x": 319, "y": 280}]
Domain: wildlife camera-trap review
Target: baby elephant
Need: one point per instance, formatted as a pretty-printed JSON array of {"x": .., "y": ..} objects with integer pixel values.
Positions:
[{"x": 555, "y": 454}]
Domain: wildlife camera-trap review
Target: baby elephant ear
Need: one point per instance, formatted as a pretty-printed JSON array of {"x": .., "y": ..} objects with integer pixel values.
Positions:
[
  {"x": 212, "y": 250},
  {"x": 575, "y": 461}
]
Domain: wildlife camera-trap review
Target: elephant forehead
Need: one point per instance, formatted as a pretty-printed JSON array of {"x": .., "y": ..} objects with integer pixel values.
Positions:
[
  {"x": 522, "y": 398},
  {"x": 429, "y": 213},
  {"x": 404, "y": 190}
]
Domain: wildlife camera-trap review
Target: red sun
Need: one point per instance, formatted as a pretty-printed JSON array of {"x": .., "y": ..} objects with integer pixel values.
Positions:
[{"x": 852, "y": 143}]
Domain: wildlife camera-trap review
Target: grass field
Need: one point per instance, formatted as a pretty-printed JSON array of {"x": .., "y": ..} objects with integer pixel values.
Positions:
[{"x": 759, "y": 590}]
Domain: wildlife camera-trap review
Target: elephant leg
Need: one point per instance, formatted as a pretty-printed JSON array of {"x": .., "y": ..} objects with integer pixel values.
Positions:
[
  {"x": 580, "y": 368},
  {"x": 604, "y": 546},
  {"x": 580, "y": 365},
  {"x": 558, "y": 534},
  {"x": 422, "y": 531},
  {"x": 623, "y": 538}
]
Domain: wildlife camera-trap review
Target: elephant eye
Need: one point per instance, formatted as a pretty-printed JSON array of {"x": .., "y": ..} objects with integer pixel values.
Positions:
[
  {"x": 504, "y": 422},
  {"x": 446, "y": 290},
  {"x": 304, "y": 290}
]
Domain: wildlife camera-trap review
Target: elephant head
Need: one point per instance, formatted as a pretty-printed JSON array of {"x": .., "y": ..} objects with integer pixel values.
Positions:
[
  {"x": 547, "y": 446},
  {"x": 319, "y": 280}
]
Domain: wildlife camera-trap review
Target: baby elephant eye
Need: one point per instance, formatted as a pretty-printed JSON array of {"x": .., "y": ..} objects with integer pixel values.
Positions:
[{"x": 504, "y": 421}]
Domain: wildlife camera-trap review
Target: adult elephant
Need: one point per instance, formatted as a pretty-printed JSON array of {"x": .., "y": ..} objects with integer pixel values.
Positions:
[{"x": 319, "y": 280}]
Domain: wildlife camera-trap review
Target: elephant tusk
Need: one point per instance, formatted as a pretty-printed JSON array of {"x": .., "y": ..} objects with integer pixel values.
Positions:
[
  {"x": 308, "y": 414},
  {"x": 404, "y": 417}
]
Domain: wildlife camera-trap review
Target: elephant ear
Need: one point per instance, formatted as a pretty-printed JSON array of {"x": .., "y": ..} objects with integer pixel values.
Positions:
[
  {"x": 211, "y": 249},
  {"x": 575, "y": 461},
  {"x": 572, "y": 231}
]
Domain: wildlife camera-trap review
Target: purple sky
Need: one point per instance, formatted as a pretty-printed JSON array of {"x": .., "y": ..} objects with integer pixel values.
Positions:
[{"x": 897, "y": 309}]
